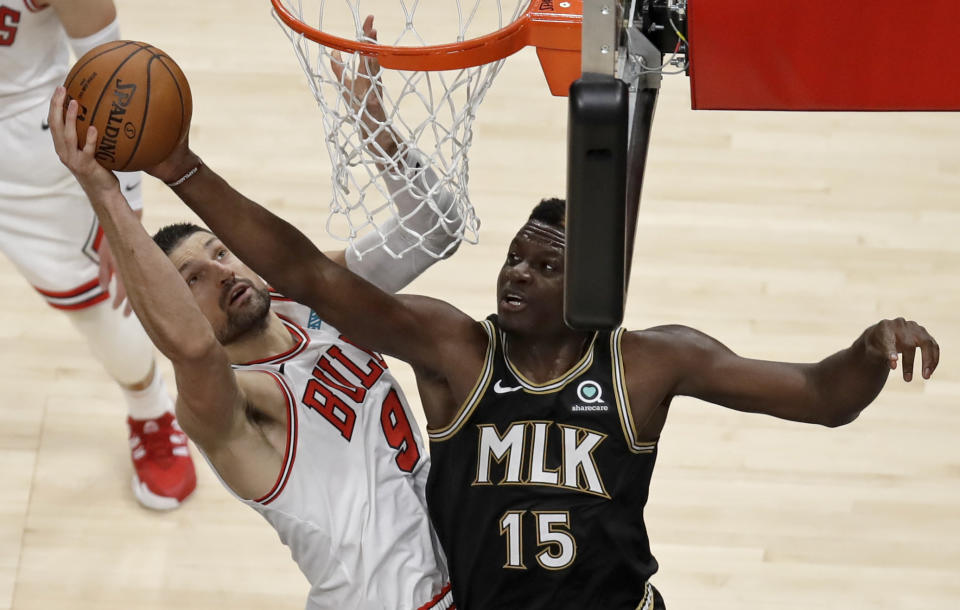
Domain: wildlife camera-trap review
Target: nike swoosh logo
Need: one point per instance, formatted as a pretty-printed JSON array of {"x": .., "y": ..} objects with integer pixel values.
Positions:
[
  {"x": 130, "y": 187},
  {"x": 501, "y": 389},
  {"x": 44, "y": 125}
]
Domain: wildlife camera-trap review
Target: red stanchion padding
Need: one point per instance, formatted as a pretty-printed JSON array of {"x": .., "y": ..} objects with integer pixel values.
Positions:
[{"x": 824, "y": 55}]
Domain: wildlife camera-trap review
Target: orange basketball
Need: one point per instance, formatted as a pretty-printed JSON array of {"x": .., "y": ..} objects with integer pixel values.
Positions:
[{"x": 136, "y": 97}]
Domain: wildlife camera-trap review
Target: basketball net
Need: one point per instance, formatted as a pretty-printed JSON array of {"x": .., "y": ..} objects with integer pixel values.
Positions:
[{"x": 427, "y": 114}]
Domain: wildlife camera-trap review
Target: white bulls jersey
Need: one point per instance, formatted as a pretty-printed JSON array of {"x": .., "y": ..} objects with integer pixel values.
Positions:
[
  {"x": 47, "y": 227},
  {"x": 350, "y": 499},
  {"x": 34, "y": 55}
]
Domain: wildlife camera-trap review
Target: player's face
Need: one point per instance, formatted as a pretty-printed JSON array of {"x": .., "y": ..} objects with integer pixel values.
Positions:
[
  {"x": 231, "y": 296},
  {"x": 530, "y": 285}
]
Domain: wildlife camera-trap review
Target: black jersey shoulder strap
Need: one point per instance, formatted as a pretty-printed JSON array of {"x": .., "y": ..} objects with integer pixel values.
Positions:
[
  {"x": 479, "y": 389},
  {"x": 623, "y": 397}
]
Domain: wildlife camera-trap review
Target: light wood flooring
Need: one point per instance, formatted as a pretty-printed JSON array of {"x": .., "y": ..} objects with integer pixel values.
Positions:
[{"x": 783, "y": 235}]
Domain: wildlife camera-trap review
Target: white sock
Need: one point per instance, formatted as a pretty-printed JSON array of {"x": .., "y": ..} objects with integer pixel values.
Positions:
[{"x": 150, "y": 402}]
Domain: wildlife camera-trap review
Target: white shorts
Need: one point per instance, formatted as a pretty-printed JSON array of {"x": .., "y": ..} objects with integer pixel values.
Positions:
[{"x": 47, "y": 227}]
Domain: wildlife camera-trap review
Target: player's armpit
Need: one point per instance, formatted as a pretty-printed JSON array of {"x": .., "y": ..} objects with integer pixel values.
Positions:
[
  {"x": 249, "y": 454},
  {"x": 450, "y": 352},
  {"x": 438, "y": 339}
]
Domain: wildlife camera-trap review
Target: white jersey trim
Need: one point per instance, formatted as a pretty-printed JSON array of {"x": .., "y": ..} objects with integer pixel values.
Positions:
[
  {"x": 299, "y": 335},
  {"x": 290, "y": 452}
]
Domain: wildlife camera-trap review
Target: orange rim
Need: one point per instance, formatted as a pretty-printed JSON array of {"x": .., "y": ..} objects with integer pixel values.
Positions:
[{"x": 544, "y": 24}]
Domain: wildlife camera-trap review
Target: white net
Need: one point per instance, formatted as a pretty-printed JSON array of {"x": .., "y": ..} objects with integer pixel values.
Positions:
[{"x": 398, "y": 140}]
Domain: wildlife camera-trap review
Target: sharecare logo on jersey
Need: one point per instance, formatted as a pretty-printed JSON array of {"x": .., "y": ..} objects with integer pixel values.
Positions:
[
  {"x": 591, "y": 393},
  {"x": 107, "y": 146},
  {"x": 589, "y": 408}
]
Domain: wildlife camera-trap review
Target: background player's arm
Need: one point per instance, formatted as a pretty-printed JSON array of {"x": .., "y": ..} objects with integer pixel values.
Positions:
[
  {"x": 208, "y": 396},
  {"x": 431, "y": 220},
  {"x": 831, "y": 392},
  {"x": 82, "y": 18}
]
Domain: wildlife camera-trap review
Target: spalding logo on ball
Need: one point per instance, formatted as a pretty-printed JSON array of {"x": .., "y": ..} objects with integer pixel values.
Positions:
[{"x": 136, "y": 97}]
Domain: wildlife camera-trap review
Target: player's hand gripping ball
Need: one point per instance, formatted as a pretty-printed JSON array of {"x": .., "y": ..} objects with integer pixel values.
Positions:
[{"x": 137, "y": 98}]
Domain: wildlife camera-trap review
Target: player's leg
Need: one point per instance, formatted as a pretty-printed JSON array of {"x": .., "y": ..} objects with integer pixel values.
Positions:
[
  {"x": 163, "y": 470},
  {"x": 49, "y": 231}
]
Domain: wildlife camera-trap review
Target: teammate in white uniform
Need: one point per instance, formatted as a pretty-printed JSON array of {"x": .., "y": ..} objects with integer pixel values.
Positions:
[
  {"x": 299, "y": 423},
  {"x": 50, "y": 233}
]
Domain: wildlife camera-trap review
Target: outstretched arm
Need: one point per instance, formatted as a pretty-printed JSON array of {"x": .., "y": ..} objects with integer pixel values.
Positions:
[
  {"x": 831, "y": 392},
  {"x": 408, "y": 327},
  {"x": 209, "y": 401},
  {"x": 414, "y": 329}
]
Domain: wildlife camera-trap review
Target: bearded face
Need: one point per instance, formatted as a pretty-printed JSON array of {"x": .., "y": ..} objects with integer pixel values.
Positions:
[
  {"x": 233, "y": 298},
  {"x": 246, "y": 307}
]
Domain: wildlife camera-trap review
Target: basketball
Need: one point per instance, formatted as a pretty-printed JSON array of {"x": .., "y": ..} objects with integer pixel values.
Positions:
[{"x": 138, "y": 99}]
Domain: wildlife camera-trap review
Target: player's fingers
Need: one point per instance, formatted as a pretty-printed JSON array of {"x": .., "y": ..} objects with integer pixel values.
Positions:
[
  {"x": 121, "y": 294},
  {"x": 104, "y": 273},
  {"x": 336, "y": 64},
  {"x": 888, "y": 344},
  {"x": 930, "y": 353},
  {"x": 370, "y": 32},
  {"x": 127, "y": 310},
  {"x": 55, "y": 115},
  {"x": 909, "y": 352},
  {"x": 70, "y": 126},
  {"x": 91, "y": 143}
]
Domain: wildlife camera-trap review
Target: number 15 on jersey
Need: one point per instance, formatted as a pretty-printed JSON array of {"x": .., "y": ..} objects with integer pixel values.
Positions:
[{"x": 556, "y": 547}]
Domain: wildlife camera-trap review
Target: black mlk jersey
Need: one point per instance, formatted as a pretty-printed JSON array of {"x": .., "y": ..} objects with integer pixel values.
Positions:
[{"x": 537, "y": 490}]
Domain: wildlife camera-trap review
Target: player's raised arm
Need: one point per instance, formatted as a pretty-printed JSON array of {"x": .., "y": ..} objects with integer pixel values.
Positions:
[
  {"x": 407, "y": 327},
  {"x": 428, "y": 221},
  {"x": 208, "y": 394},
  {"x": 831, "y": 392}
]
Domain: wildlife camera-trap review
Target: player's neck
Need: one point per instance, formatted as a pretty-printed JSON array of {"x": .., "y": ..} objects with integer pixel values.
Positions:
[
  {"x": 262, "y": 342},
  {"x": 544, "y": 358}
]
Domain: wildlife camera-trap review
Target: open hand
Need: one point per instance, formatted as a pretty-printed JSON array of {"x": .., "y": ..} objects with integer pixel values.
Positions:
[
  {"x": 364, "y": 94},
  {"x": 92, "y": 176},
  {"x": 357, "y": 91},
  {"x": 889, "y": 338}
]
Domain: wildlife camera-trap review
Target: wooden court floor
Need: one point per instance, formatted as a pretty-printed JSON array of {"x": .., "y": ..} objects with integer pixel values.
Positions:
[{"x": 783, "y": 235}]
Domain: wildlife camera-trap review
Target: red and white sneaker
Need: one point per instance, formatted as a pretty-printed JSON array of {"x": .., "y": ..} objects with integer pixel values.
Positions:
[{"x": 163, "y": 470}]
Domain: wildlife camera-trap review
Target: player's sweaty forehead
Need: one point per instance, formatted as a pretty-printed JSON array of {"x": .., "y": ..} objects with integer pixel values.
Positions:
[{"x": 543, "y": 234}]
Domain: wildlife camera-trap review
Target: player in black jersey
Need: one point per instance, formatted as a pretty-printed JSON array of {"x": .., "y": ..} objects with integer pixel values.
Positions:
[{"x": 543, "y": 438}]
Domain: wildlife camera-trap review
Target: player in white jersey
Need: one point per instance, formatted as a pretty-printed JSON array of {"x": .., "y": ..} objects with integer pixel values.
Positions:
[
  {"x": 350, "y": 498},
  {"x": 299, "y": 423},
  {"x": 50, "y": 233}
]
